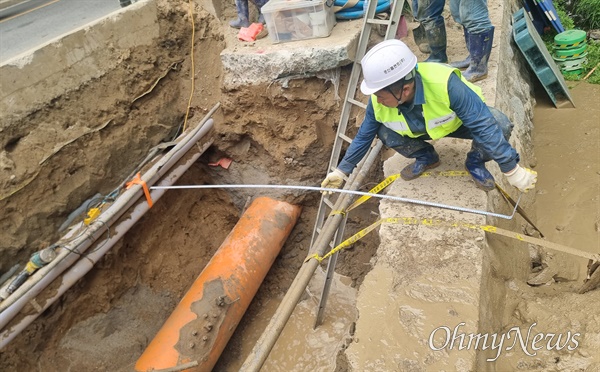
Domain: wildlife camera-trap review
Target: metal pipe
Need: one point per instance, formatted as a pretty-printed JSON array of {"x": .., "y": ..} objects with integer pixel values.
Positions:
[
  {"x": 267, "y": 340},
  {"x": 350, "y": 192},
  {"x": 83, "y": 266},
  {"x": 11, "y": 306}
]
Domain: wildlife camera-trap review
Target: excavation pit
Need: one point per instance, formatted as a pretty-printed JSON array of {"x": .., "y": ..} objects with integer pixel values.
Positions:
[{"x": 277, "y": 127}]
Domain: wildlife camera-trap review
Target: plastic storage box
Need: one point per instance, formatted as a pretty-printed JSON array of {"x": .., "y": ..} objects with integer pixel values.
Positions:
[{"x": 289, "y": 20}]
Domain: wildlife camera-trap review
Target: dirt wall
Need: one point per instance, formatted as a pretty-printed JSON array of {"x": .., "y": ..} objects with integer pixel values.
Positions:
[
  {"x": 89, "y": 138},
  {"x": 83, "y": 133}
]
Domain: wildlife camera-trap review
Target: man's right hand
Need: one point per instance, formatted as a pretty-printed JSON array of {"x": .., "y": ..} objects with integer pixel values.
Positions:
[
  {"x": 334, "y": 180},
  {"x": 523, "y": 179}
]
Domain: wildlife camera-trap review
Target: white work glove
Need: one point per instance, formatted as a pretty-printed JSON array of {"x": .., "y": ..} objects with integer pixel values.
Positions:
[
  {"x": 334, "y": 180},
  {"x": 523, "y": 179}
]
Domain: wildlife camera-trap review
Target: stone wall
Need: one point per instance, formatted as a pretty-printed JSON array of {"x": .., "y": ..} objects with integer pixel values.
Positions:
[{"x": 506, "y": 258}]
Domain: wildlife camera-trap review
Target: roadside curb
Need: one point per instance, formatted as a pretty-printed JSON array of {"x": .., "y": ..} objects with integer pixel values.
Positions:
[{"x": 8, "y": 3}]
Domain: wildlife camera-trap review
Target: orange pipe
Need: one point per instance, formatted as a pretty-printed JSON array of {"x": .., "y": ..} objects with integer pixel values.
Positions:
[{"x": 204, "y": 320}]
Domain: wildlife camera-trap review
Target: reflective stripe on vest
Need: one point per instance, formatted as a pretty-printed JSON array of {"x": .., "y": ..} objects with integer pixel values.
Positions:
[{"x": 440, "y": 120}]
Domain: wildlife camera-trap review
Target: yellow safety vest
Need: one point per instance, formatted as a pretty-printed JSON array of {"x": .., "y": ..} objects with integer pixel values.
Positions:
[{"x": 440, "y": 120}]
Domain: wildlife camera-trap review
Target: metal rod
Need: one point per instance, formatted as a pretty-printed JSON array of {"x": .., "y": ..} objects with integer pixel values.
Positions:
[
  {"x": 351, "y": 192},
  {"x": 330, "y": 273},
  {"x": 518, "y": 208}
]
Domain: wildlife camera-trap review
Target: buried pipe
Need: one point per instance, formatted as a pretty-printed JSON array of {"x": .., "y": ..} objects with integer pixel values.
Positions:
[
  {"x": 84, "y": 265},
  {"x": 206, "y": 317},
  {"x": 267, "y": 340},
  {"x": 72, "y": 251}
]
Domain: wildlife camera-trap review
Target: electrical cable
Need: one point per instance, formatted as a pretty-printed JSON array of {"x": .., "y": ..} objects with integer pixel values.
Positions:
[
  {"x": 360, "y": 193},
  {"x": 187, "y": 113}
]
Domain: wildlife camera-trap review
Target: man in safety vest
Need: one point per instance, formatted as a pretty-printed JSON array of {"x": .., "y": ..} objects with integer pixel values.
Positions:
[{"x": 411, "y": 104}]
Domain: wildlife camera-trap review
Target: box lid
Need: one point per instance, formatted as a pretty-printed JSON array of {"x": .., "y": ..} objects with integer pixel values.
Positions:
[{"x": 278, "y": 5}]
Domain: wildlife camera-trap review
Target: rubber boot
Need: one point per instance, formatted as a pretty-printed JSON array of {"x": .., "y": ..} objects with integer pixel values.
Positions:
[
  {"x": 475, "y": 165},
  {"x": 426, "y": 159},
  {"x": 480, "y": 47},
  {"x": 421, "y": 39},
  {"x": 259, "y": 4},
  {"x": 436, "y": 35},
  {"x": 242, "y": 12},
  {"x": 467, "y": 61}
]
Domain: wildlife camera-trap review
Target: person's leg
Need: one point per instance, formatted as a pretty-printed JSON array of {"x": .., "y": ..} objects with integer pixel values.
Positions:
[
  {"x": 473, "y": 15},
  {"x": 467, "y": 61},
  {"x": 259, "y": 4},
  {"x": 419, "y": 32},
  {"x": 503, "y": 121},
  {"x": 429, "y": 14},
  {"x": 413, "y": 148},
  {"x": 242, "y": 13},
  {"x": 477, "y": 156}
]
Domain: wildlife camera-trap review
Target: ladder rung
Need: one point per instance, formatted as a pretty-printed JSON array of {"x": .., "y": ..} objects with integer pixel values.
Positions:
[
  {"x": 328, "y": 202},
  {"x": 357, "y": 103},
  {"x": 345, "y": 137},
  {"x": 318, "y": 230},
  {"x": 386, "y": 22}
]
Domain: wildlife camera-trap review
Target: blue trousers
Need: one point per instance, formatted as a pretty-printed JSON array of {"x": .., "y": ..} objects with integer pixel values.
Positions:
[
  {"x": 415, "y": 147},
  {"x": 429, "y": 12},
  {"x": 471, "y": 14}
]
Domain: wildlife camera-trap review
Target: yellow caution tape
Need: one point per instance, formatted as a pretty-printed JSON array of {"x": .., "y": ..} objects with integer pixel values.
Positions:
[
  {"x": 388, "y": 181},
  {"x": 438, "y": 222},
  {"x": 348, "y": 242},
  {"x": 450, "y": 173},
  {"x": 375, "y": 190}
]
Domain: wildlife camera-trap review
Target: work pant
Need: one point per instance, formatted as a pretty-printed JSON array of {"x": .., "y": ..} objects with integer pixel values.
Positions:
[
  {"x": 414, "y": 147},
  {"x": 429, "y": 12},
  {"x": 471, "y": 14}
]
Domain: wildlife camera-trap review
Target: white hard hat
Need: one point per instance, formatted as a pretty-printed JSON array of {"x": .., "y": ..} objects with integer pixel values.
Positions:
[{"x": 386, "y": 63}]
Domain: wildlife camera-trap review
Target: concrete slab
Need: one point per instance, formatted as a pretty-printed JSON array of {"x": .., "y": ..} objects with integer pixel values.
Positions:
[
  {"x": 425, "y": 277},
  {"x": 262, "y": 61}
]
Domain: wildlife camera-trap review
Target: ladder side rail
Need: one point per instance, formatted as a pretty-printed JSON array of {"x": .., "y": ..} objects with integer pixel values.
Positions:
[{"x": 349, "y": 101}]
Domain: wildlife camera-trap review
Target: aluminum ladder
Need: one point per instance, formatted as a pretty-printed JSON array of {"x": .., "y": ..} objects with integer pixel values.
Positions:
[{"x": 326, "y": 205}]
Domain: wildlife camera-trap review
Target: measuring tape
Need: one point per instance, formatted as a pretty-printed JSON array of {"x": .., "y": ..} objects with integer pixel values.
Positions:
[
  {"x": 456, "y": 224},
  {"x": 436, "y": 222}
]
